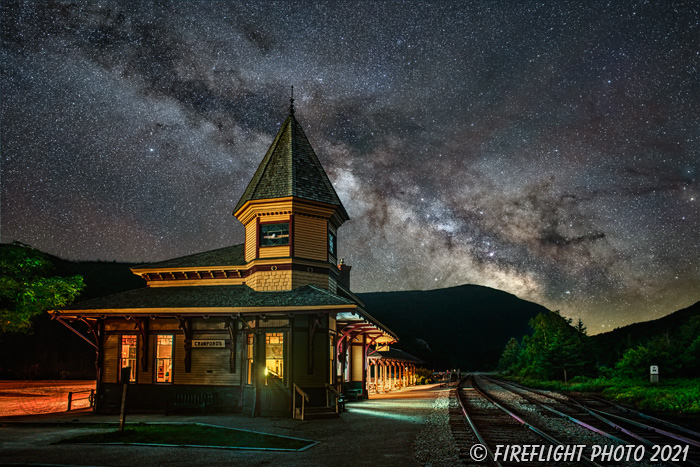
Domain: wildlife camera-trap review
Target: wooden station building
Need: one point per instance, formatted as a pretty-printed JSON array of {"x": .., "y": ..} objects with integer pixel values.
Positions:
[{"x": 262, "y": 327}]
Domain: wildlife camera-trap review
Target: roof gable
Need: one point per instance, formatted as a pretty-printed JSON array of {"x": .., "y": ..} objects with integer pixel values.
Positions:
[{"x": 290, "y": 168}]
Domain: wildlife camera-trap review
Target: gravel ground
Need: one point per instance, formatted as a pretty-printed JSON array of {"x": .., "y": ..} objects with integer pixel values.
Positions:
[
  {"x": 564, "y": 430},
  {"x": 435, "y": 444}
]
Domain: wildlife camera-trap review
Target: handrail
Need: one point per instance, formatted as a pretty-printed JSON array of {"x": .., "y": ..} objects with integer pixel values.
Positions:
[
  {"x": 302, "y": 392},
  {"x": 332, "y": 390},
  {"x": 335, "y": 393},
  {"x": 304, "y": 398}
]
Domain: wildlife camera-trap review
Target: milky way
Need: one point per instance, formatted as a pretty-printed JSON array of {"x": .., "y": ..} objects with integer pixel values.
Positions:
[{"x": 548, "y": 149}]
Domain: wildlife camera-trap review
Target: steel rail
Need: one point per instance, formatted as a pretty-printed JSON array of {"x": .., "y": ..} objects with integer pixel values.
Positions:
[
  {"x": 477, "y": 433},
  {"x": 648, "y": 417},
  {"x": 651, "y": 428},
  {"x": 604, "y": 414},
  {"x": 571, "y": 418},
  {"x": 541, "y": 433},
  {"x": 592, "y": 413}
]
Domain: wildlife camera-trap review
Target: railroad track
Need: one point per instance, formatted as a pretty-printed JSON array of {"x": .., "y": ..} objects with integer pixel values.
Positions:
[
  {"x": 505, "y": 414},
  {"x": 497, "y": 427},
  {"x": 632, "y": 426}
]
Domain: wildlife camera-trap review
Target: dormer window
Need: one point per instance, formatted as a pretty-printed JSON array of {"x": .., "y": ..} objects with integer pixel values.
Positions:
[{"x": 274, "y": 234}]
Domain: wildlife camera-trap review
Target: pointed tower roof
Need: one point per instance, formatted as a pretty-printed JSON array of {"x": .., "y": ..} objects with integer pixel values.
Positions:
[{"x": 291, "y": 168}]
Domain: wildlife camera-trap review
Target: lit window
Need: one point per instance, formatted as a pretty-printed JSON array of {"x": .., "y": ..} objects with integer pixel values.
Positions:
[
  {"x": 128, "y": 356},
  {"x": 249, "y": 359},
  {"x": 274, "y": 354},
  {"x": 274, "y": 234},
  {"x": 164, "y": 359}
]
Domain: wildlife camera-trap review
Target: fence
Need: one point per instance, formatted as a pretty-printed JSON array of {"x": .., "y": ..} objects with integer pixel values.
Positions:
[{"x": 72, "y": 398}]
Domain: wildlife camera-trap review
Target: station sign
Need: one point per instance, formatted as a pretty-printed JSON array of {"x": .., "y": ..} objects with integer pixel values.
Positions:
[{"x": 208, "y": 344}]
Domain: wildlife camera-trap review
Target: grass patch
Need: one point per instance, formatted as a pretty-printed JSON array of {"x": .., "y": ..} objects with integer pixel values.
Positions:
[
  {"x": 191, "y": 434},
  {"x": 680, "y": 396},
  {"x": 674, "y": 396}
]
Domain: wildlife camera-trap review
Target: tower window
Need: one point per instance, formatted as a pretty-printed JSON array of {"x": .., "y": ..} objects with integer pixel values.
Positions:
[
  {"x": 332, "y": 244},
  {"x": 274, "y": 234}
]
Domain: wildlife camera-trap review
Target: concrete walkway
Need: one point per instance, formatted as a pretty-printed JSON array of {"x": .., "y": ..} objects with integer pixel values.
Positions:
[{"x": 402, "y": 428}]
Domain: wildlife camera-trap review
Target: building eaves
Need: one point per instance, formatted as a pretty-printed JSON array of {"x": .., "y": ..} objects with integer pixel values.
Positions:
[
  {"x": 211, "y": 297},
  {"x": 227, "y": 256}
]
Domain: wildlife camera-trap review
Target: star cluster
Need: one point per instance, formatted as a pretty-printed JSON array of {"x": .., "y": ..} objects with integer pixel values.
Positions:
[{"x": 548, "y": 149}]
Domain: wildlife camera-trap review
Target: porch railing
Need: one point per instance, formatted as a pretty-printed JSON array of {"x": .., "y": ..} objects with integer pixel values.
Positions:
[
  {"x": 304, "y": 399},
  {"x": 331, "y": 391}
]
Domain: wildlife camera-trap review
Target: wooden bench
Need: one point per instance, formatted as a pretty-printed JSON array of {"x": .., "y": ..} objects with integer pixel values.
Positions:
[
  {"x": 353, "y": 394},
  {"x": 188, "y": 400}
]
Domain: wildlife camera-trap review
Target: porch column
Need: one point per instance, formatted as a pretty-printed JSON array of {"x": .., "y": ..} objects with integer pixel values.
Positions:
[
  {"x": 384, "y": 377},
  {"x": 376, "y": 376}
]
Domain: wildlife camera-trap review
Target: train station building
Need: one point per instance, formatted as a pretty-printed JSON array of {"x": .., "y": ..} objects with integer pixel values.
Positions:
[{"x": 269, "y": 327}]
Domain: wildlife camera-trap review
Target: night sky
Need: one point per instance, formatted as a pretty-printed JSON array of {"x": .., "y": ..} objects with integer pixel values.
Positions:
[{"x": 548, "y": 149}]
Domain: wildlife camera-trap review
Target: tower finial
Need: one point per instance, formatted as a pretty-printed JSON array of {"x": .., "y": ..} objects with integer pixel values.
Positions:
[{"x": 291, "y": 103}]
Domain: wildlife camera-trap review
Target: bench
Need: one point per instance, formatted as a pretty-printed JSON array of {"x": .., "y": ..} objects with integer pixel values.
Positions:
[
  {"x": 353, "y": 394},
  {"x": 188, "y": 400}
]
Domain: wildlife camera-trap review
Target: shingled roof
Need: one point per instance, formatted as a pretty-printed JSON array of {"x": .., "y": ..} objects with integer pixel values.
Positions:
[
  {"x": 227, "y": 256},
  {"x": 212, "y": 296},
  {"x": 291, "y": 168},
  {"x": 396, "y": 354}
]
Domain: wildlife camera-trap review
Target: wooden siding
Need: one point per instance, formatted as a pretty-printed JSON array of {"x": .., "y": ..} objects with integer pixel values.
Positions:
[
  {"x": 310, "y": 238},
  {"x": 300, "y": 355},
  {"x": 357, "y": 372},
  {"x": 210, "y": 366},
  {"x": 250, "y": 240},
  {"x": 211, "y": 324},
  {"x": 274, "y": 251}
]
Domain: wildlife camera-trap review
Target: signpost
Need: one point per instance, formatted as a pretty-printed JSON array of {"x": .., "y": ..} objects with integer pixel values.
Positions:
[
  {"x": 126, "y": 376},
  {"x": 654, "y": 373}
]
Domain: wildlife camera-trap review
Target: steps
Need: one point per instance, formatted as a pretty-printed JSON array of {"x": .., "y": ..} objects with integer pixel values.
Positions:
[{"x": 317, "y": 413}]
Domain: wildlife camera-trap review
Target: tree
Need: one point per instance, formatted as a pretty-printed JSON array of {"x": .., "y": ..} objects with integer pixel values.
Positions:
[
  {"x": 26, "y": 290},
  {"x": 555, "y": 350},
  {"x": 510, "y": 358}
]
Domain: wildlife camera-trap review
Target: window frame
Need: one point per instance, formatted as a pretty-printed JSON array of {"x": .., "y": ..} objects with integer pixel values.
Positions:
[
  {"x": 134, "y": 368},
  {"x": 333, "y": 252},
  {"x": 250, "y": 359},
  {"x": 261, "y": 238},
  {"x": 172, "y": 358},
  {"x": 284, "y": 335}
]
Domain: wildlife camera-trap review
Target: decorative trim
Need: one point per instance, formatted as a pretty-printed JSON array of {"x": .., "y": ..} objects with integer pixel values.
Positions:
[
  {"x": 291, "y": 234},
  {"x": 257, "y": 237}
]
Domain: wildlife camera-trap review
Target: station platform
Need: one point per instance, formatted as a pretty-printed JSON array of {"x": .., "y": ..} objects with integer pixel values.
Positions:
[{"x": 401, "y": 428}]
